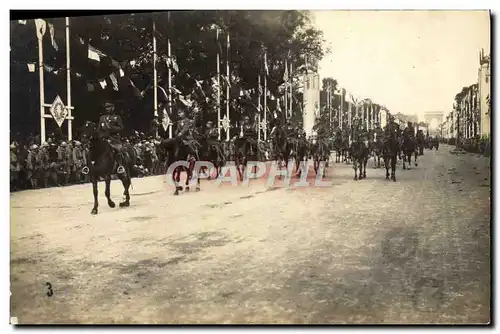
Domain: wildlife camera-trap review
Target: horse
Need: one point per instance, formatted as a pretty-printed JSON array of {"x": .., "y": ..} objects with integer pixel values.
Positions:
[
  {"x": 376, "y": 147},
  {"x": 320, "y": 151},
  {"x": 283, "y": 147},
  {"x": 420, "y": 142},
  {"x": 243, "y": 153},
  {"x": 103, "y": 163},
  {"x": 301, "y": 154},
  {"x": 213, "y": 152},
  {"x": 409, "y": 149},
  {"x": 359, "y": 153},
  {"x": 179, "y": 150},
  {"x": 390, "y": 152}
]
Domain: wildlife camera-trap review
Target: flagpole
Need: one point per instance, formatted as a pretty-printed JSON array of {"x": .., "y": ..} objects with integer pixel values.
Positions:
[
  {"x": 227, "y": 87},
  {"x": 169, "y": 57},
  {"x": 328, "y": 101},
  {"x": 291, "y": 89},
  {"x": 155, "y": 75},
  {"x": 42, "y": 91},
  {"x": 258, "y": 106},
  {"x": 341, "y": 107},
  {"x": 218, "y": 86},
  {"x": 68, "y": 82},
  {"x": 286, "y": 90},
  {"x": 265, "y": 98}
]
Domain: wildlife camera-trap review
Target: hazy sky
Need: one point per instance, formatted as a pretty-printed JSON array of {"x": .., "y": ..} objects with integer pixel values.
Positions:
[{"x": 410, "y": 61}]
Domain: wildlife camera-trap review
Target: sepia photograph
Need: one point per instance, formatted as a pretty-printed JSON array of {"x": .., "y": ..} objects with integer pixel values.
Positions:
[{"x": 250, "y": 167}]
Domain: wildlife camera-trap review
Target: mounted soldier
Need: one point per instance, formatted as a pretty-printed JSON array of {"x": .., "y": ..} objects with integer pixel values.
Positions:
[
  {"x": 250, "y": 135},
  {"x": 110, "y": 127},
  {"x": 409, "y": 130}
]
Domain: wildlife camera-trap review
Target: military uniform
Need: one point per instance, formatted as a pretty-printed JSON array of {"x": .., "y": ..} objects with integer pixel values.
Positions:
[
  {"x": 64, "y": 157},
  {"x": 110, "y": 127},
  {"x": 79, "y": 161},
  {"x": 15, "y": 167},
  {"x": 43, "y": 156},
  {"x": 54, "y": 163},
  {"x": 250, "y": 135},
  {"x": 33, "y": 166}
]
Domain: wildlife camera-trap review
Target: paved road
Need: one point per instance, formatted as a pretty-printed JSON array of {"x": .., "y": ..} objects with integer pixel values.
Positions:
[{"x": 372, "y": 251}]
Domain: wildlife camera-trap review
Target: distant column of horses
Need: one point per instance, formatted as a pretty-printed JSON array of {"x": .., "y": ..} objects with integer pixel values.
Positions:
[{"x": 283, "y": 148}]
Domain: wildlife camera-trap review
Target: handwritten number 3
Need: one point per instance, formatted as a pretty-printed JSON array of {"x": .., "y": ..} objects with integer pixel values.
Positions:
[{"x": 50, "y": 292}]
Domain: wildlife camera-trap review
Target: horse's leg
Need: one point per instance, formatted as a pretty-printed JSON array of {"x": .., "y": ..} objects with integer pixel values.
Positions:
[
  {"x": 404, "y": 160},
  {"x": 386, "y": 165},
  {"x": 198, "y": 186},
  {"x": 355, "y": 167},
  {"x": 416, "y": 158},
  {"x": 176, "y": 177},
  {"x": 393, "y": 167},
  {"x": 95, "y": 190},
  {"x": 365, "y": 162},
  {"x": 126, "y": 181},
  {"x": 107, "y": 191},
  {"x": 189, "y": 174}
]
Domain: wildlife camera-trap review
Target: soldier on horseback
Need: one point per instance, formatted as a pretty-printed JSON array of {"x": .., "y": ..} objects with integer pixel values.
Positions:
[
  {"x": 186, "y": 131},
  {"x": 392, "y": 128},
  {"x": 110, "y": 127},
  {"x": 409, "y": 130},
  {"x": 250, "y": 135}
]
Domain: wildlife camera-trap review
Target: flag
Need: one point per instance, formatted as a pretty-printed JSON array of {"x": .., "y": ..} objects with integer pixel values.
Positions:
[
  {"x": 215, "y": 83},
  {"x": 175, "y": 90},
  {"x": 41, "y": 27},
  {"x": 93, "y": 54},
  {"x": 219, "y": 47},
  {"x": 114, "y": 81},
  {"x": 31, "y": 67},
  {"x": 90, "y": 87},
  {"x": 52, "y": 38},
  {"x": 48, "y": 68},
  {"x": 285, "y": 76},
  {"x": 266, "y": 68},
  {"x": 173, "y": 64},
  {"x": 103, "y": 83}
]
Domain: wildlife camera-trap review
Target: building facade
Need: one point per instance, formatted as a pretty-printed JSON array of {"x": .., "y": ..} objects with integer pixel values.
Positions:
[
  {"x": 311, "y": 93},
  {"x": 484, "y": 90}
]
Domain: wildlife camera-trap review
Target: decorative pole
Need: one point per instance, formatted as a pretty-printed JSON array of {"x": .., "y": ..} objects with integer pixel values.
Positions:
[
  {"x": 68, "y": 83},
  {"x": 169, "y": 55},
  {"x": 265, "y": 99},
  {"x": 227, "y": 87},
  {"x": 40, "y": 31},
  {"x": 155, "y": 76},
  {"x": 218, "y": 86},
  {"x": 258, "y": 106}
]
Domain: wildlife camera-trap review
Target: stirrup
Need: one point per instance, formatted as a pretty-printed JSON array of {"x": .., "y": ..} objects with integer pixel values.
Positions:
[
  {"x": 120, "y": 170},
  {"x": 85, "y": 170}
]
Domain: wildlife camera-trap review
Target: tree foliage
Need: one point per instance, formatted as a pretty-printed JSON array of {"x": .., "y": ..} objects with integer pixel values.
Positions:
[{"x": 128, "y": 39}]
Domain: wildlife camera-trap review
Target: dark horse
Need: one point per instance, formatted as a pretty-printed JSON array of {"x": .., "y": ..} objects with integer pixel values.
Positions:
[
  {"x": 376, "y": 147},
  {"x": 213, "y": 152},
  {"x": 320, "y": 151},
  {"x": 409, "y": 148},
  {"x": 178, "y": 150},
  {"x": 390, "y": 152},
  {"x": 283, "y": 147},
  {"x": 244, "y": 151},
  {"x": 359, "y": 154},
  {"x": 103, "y": 164}
]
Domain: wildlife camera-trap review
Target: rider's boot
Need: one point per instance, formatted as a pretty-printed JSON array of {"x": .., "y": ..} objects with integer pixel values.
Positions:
[{"x": 120, "y": 169}]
